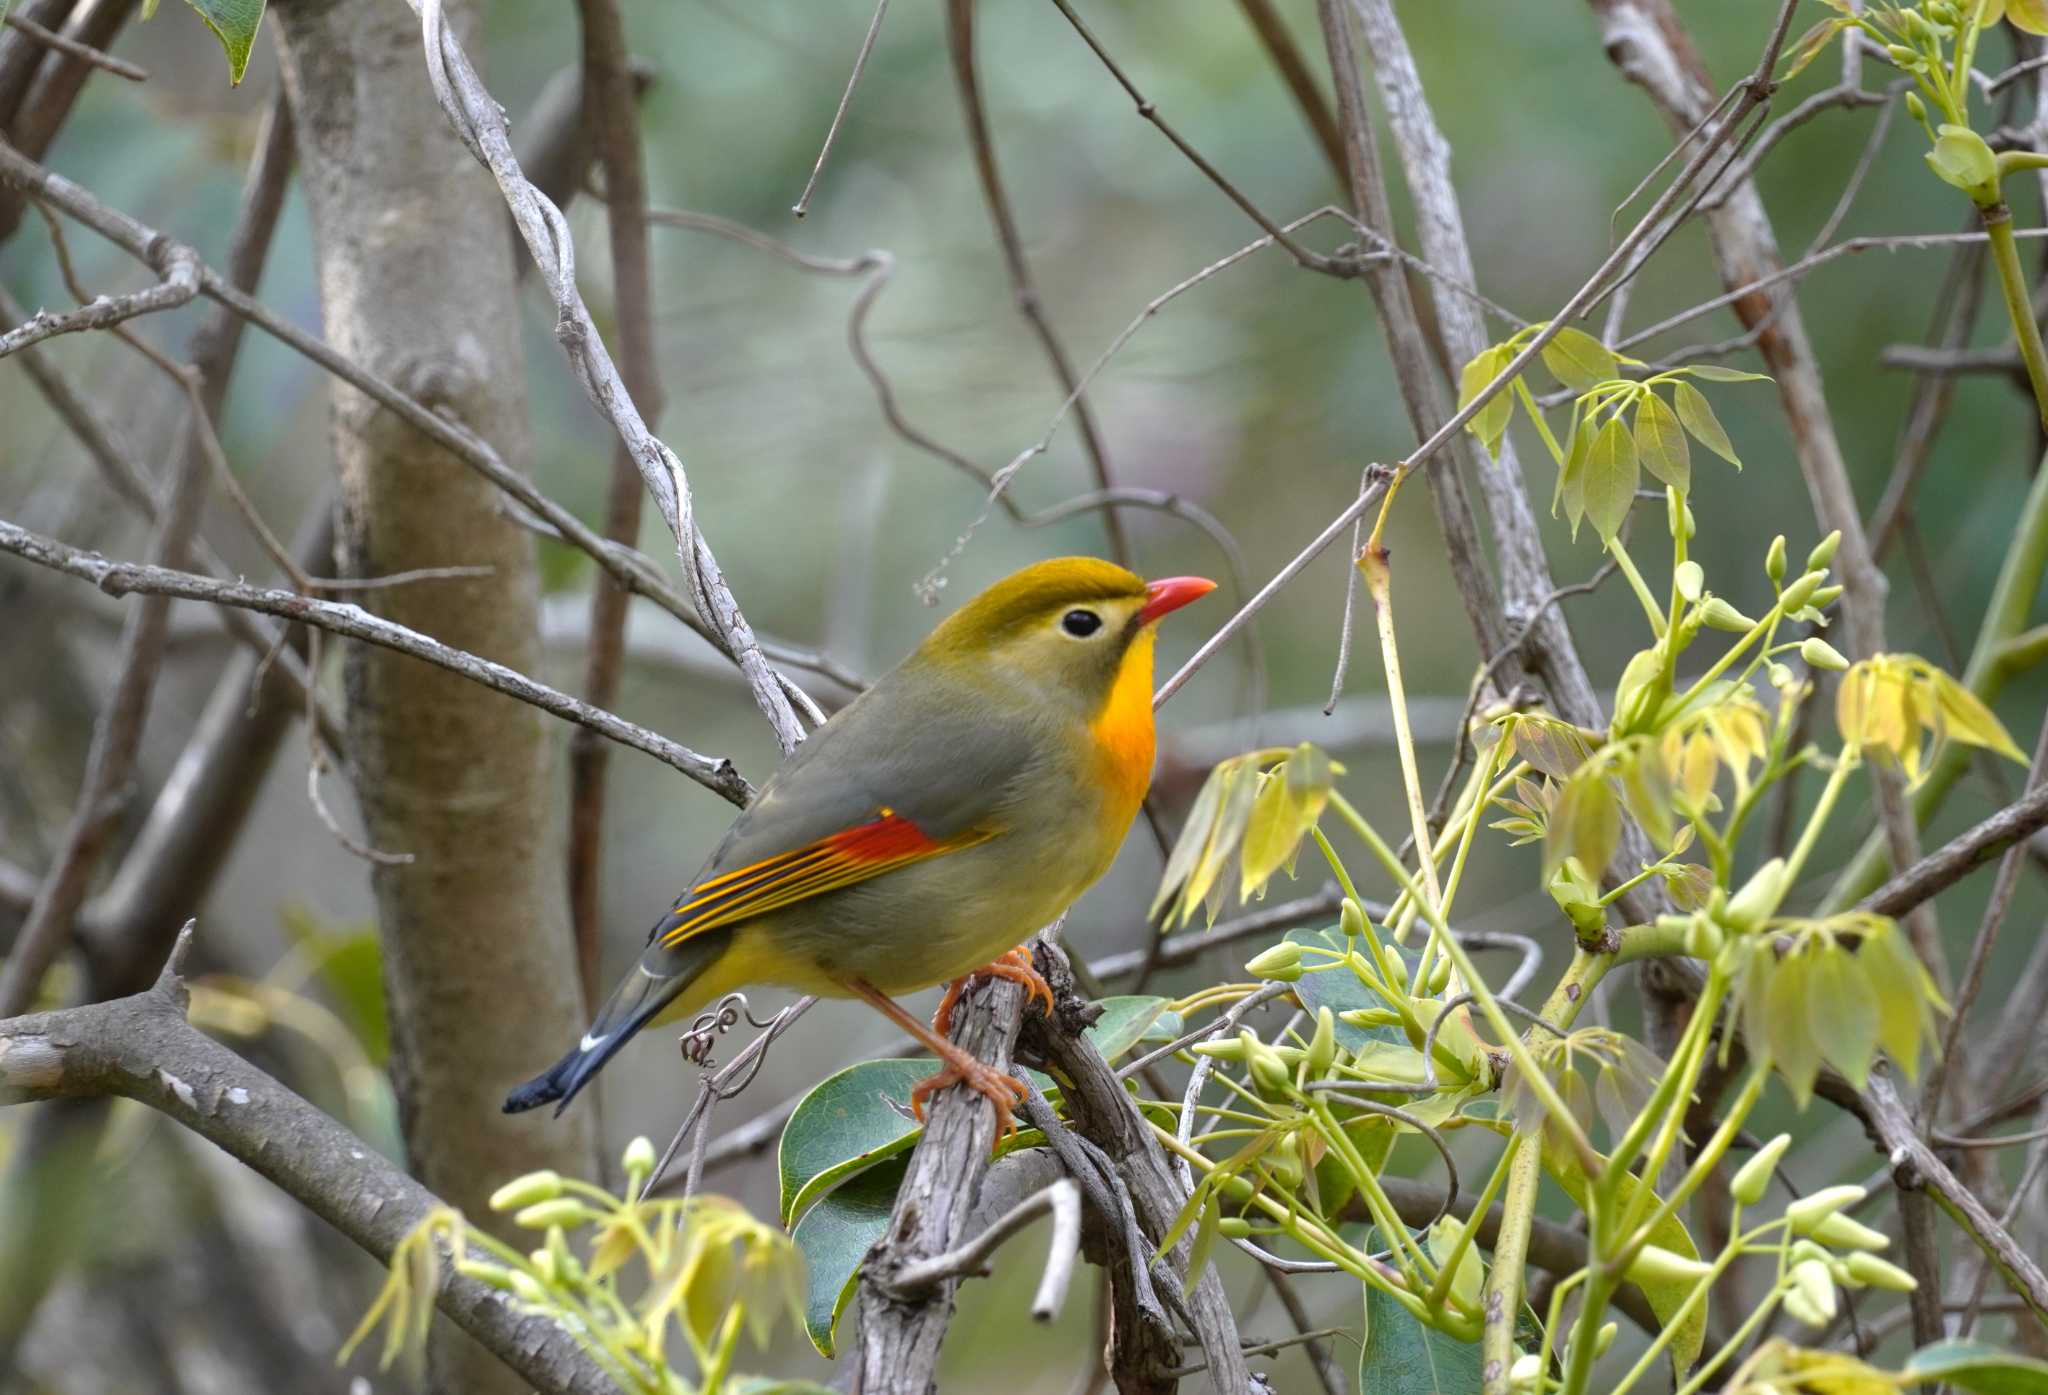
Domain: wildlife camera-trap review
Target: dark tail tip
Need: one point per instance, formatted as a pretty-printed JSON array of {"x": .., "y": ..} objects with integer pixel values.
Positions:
[{"x": 563, "y": 1079}]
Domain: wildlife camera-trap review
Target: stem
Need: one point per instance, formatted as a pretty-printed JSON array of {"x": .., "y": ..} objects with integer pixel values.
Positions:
[
  {"x": 1379, "y": 581},
  {"x": 1619, "y": 552},
  {"x": 2012, "y": 281},
  {"x": 1503, "y": 1296}
]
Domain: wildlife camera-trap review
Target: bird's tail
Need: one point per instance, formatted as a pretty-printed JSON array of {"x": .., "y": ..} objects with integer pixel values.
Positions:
[{"x": 648, "y": 988}]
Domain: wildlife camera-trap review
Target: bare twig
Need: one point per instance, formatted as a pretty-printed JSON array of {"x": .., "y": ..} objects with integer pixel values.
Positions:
[
  {"x": 122, "y": 578},
  {"x": 611, "y": 116},
  {"x": 1962, "y": 854},
  {"x": 860, "y": 63},
  {"x": 1062, "y": 1198},
  {"x": 175, "y": 263},
  {"x": 481, "y": 124},
  {"x": 960, "y": 44},
  {"x": 116, "y": 742},
  {"x": 50, "y": 38},
  {"x": 630, "y": 569},
  {"x": 1315, "y": 261},
  {"x": 142, "y": 1048}
]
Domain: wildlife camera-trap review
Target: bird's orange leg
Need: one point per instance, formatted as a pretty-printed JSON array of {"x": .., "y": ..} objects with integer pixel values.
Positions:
[
  {"x": 961, "y": 1068},
  {"x": 1016, "y": 966}
]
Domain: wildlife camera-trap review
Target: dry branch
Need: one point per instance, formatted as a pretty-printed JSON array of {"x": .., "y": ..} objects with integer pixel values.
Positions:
[
  {"x": 142, "y": 1048},
  {"x": 122, "y": 578}
]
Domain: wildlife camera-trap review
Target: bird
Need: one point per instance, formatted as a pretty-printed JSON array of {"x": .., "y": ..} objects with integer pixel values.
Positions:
[{"x": 926, "y": 830}]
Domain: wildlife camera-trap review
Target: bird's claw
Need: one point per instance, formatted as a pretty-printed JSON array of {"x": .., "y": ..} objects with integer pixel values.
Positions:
[
  {"x": 1002, "y": 1090},
  {"x": 1016, "y": 966}
]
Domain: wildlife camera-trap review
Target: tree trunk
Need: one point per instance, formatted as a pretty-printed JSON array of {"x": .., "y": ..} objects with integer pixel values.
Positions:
[{"x": 417, "y": 285}]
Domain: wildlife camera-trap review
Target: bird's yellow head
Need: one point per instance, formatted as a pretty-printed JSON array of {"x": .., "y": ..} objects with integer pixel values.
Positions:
[{"x": 1073, "y": 634}]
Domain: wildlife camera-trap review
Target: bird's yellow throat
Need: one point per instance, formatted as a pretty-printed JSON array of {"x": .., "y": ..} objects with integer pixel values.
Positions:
[{"x": 1123, "y": 729}]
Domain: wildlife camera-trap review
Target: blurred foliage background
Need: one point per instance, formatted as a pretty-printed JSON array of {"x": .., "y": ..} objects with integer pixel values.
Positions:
[{"x": 1260, "y": 395}]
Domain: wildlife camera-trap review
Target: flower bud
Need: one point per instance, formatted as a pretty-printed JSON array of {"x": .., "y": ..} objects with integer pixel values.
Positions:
[
  {"x": 1880, "y": 1273},
  {"x": 1526, "y": 1372},
  {"x": 1753, "y": 1178},
  {"x": 1848, "y": 1233},
  {"x": 639, "y": 1159},
  {"x": 1801, "y": 591},
  {"x": 1720, "y": 615},
  {"x": 494, "y": 1275},
  {"x": 1811, "y": 1281},
  {"x": 1825, "y": 597},
  {"x": 1818, "y": 653},
  {"x": 1657, "y": 1265},
  {"x": 1234, "y": 1228},
  {"x": 543, "y": 1262},
  {"x": 1916, "y": 108},
  {"x": 1351, "y": 920},
  {"x": 1774, "y": 560},
  {"x": 1230, "y": 1050},
  {"x": 1823, "y": 551},
  {"x": 1322, "y": 1047},
  {"x": 1604, "y": 1338},
  {"x": 1439, "y": 976},
  {"x": 1689, "y": 579},
  {"x": 1280, "y": 963},
  {"x": 1269, "y": 1068},
  {"x": 562, "y": 1211},
  {"x": 1758, "y": 899},
  {"x": 544, "y": 1185},
  {"x": 527, "y": 1287},
  {"x": 1702, "y": 938},
  {"x": 1809, "y": 1211}
]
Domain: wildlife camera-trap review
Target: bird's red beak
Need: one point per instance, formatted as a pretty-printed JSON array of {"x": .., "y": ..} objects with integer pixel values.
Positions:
[{"x": 1171, "y": 594}]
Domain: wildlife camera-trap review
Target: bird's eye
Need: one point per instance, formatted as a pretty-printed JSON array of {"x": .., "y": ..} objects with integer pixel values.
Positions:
[{"x": 1080, "y": 623}]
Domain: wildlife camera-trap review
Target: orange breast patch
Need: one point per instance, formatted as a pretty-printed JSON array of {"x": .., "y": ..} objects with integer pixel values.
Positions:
[{"x": 1123, "y": 729}]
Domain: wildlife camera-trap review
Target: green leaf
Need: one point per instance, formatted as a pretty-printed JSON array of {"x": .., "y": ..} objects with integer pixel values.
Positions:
[
  {"x": 848, "y": 1122},
  {"x": 1660, "y": 441},
  {"x": 1402, "y": 1356},
  {"x": 1811, "y": 45},
  {"x": 1340, "y": 990},
  {"x": 1793, "y": 1047},
  {"x": 1698, "y": 417},
  {"x": 234, "y": 23},
  {"x": 1976, "y": 1366},
  {"x": 1715, "y": 373},
  {"x": 835, "y": 1236},
  {"x": 1665, "y": 1299},
  {"x": 1289, "y": 802},
  {"x": 1960, "y": 157},
  {"x": 1126, "y": 1021},
  {"x": 1900, "y": 989},
  {"x": 1492, "y": 422},
  {"x": 1570, "y": 495},
  {"x": 1611, "y": 474},
  {"x": 1579, "y": 361},
  {"x": 1585, "y": 823},
  {"x": 1842, "y": 1013},
  {"x": 1194, "y": 837}
]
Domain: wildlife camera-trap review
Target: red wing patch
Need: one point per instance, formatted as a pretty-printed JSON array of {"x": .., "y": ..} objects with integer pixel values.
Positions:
[{"x": 866, "y": 850}]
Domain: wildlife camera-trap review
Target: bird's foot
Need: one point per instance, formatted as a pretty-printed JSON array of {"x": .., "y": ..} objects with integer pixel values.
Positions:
[
  {"x": 999, "y": 1089},
  {"x": 1016, "y": 966}
]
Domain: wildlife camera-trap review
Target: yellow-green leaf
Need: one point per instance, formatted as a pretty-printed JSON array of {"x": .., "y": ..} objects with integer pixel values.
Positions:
[
  {"x": 1492, "y": 422},
  {"x": 1967, "y": 719},
  {"x": 1580, "y": 361},
  {"x": 2030, "y": 15},
  {"x": 1660, "y": 441},
  {"x": 1842, "y": 1013},
  {"x": 1698, "y": 418},
  {"x": 1585, "y": 824},
  {"x": 1611, "y": 474},
  {"x": 1787, "y": 1031}
]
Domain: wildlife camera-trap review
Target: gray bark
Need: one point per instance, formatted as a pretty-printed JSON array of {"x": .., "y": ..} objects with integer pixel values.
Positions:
[{"x": 417, "y": 285}]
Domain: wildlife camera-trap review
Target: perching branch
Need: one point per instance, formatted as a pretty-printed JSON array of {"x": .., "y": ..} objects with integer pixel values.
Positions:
[{"x": 1062, "y": 1198}]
